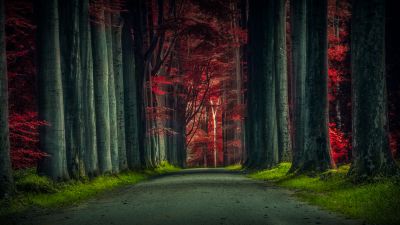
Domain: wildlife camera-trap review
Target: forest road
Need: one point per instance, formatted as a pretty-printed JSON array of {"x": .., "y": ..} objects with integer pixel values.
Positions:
[{"x": 193, "y": 197}]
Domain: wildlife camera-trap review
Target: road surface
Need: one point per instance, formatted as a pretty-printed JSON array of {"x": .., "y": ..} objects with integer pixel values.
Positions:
[{"x": 193, "y": 197}]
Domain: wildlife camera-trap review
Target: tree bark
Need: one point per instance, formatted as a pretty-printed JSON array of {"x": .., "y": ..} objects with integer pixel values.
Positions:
[
  {"x": 72, "y": 86},
  {"x": 262, "y": 106},
  {"x": 119, "y": 88},
  {"x": 130, "y": 95},
  {"x": 6, "y": 179},
  {"x": 316, "y": 156},
  {"x": 50, "y": 92},
  {"x": 298, "y": 29},
  {"x": 111, "y": 92},
  {"x": 371, "y": 152},
  {"x": 282, "y": 105},
  {"x": 89, "y": 112},
  {"x": 101, "y": 83}
]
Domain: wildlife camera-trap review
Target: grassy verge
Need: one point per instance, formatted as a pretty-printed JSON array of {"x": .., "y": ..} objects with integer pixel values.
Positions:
[
  {"x": 375, "y": 203},
  {"x": 235, "y": 167},
  {"x": 34, "y": 191}
]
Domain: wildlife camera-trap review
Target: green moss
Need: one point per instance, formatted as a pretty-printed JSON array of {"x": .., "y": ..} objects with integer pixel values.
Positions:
[
  {"x": 275, "y": 173},
  {"x": 36, "y": 191},
  {"x": 376, "y": 203},
  {"x": 234, "y": 167}
]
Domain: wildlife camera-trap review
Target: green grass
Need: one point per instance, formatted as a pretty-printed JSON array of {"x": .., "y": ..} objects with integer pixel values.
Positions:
[
  {"x": 375, "y": 203},
  {"x": 234, "y": 167},
  {"x": 34, "y": 191}
]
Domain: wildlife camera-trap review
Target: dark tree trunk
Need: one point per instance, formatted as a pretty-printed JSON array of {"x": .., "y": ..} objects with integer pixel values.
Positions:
[
  {"x": 392, "y": 70},
  {"x": 6, "y": 179},
  {"x": 282, "y": 105},
  {"x": 72, "y": 86},
  {"x": 298, "y": 30},
  {"x": 262, "y": 107},
  {"x": 316, "y": 156},
  {"x": 111, "y": 92},
  {"x": 130, "y": 95},
  {"x": 138, "y": 15},
  {"x": 369, "y": 100},
  {"x": 119, "y": 88},
  {"x": 50, "y": 92},
  {"x": 101, "y": 83},
  {"x": 89, "y": 113}
]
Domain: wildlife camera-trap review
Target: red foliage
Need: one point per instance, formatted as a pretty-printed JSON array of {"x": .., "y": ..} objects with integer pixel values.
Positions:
[
  {"x": 340, "y": 144},
  {"x": 24, "y": 138}
]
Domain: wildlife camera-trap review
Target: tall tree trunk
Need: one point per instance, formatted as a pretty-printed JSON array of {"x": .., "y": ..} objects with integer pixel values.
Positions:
[
  {"x": 50, "y": 92},
  {"x": 6, "y": 179},
  {"x": 111, "y": 92},
  {"x": 263, "y": 121},
  {"x": 137, "y": 23},
  {"x": 130, "y": 95},
  {"x": 72, "y": 86},
  {"x": 101, "y": 83},
  {"x": 371, "y": 152},
  {"x": 282, "y": 105},
  {"x": 299, "y": 59},
  {"x": 316, "y": 155},
  {"x": 89, "y": 113},
  {"x": 119, "y": 88}
]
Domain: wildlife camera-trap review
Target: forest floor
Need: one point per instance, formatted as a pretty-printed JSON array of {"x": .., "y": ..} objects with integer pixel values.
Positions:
[
  {"x": 375, "y": 201},
  {"x": 191, "y": 197}
]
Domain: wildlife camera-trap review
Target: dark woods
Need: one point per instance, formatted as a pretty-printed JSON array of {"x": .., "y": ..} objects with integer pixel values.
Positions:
[{"x": 104, "y": 86}]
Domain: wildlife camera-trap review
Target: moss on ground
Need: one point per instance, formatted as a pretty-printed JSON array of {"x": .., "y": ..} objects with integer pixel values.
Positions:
[
  {"x": 34, "y": 191},
  {"x": 376, "y": 203}
]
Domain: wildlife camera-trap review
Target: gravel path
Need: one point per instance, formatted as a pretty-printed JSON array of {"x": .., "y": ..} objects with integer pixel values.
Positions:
[{"x": 193, "y": 197}]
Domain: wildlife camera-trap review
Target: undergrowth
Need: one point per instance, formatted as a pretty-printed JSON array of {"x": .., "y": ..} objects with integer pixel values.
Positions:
[
  {"x": 375, "y": 202},
  {"x": 33, "y": 191}
]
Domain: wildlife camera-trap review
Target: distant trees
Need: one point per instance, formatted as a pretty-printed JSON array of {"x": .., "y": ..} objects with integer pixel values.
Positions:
[{"x": 6, "y": 179}]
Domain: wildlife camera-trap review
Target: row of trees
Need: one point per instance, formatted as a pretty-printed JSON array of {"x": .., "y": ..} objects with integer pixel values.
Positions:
[
  {"x": 118, "y": 90},
  {"x": 267, "y": 136}
]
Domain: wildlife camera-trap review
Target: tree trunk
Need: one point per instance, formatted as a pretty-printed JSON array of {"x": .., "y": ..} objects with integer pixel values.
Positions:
[
  {"x": 111, "y": 92},
  {"x": 119, "y": 88},
  {"x": 72, "y": 86},
  {"x": 371, "y": 152},
  {"x": 89, "y": 113},
  {"x": 101, "y": 83},
  {"x": 282, "y": 105},
  {"x": 262, "y": 107},
  {"x": 298, "y": 29},
  {"x": 6, "y": 179},
  {"x": 50, "y": 92},
  {"x": 130, "y": 96},
  {"x": 316, "y": 155}
]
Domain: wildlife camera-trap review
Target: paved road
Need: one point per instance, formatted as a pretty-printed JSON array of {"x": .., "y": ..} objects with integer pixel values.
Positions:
[{"x": 194, "y": 197}]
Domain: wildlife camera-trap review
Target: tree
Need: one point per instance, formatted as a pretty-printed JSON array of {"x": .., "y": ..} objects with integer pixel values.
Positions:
[
  {"x": 50, "y": 92},
  {"x": 6, "y": 179},
  {"x": 89, "y": 112},
  {"x": 72, "y": 86},
  {"x": 316, "y": 154},
  {"x": 130, "y": 95},
  {"x": 261, "y": 116},
  {"x": 282, "y": 105},
  {"x": 371, "y": 152},
  {"x": 119, "y": 87},
  {"x": 101, "y": 84},
  {"x": 111, "y": 90},
  {"x": 298, "y": 31}
]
